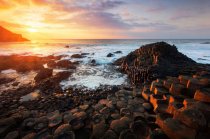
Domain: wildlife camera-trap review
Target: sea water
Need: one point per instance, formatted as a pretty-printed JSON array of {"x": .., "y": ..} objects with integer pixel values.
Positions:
[{"x": 103, "y": 73}]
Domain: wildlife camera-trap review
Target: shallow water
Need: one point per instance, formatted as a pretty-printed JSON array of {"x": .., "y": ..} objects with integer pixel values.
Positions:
[
  {"x": 31, "y": 96},
  {"x": 93, "y": 76}
]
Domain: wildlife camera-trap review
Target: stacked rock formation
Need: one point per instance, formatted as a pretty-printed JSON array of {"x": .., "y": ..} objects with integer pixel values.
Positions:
[
  {"x": 182, "y": 106},
  {"x": 154, "y": 61}
]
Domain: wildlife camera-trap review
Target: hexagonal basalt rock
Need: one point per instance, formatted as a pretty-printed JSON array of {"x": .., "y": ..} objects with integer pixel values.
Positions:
[{"x": 191, "y": 117}]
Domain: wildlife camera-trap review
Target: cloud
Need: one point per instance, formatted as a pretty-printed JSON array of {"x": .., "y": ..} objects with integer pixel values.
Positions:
[{"x": 100, "y": 20}]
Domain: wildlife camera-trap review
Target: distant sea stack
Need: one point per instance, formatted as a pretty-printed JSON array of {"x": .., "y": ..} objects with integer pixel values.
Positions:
[
  {"x": 8, "y": 36},
  {"x": 156, "y": 60}
]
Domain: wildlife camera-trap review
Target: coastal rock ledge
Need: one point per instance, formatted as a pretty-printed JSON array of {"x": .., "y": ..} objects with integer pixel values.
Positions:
[{"x": 154, "y": 61}]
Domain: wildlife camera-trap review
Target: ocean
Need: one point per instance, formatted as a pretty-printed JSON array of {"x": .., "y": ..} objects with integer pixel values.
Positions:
[{"x": 91, "y": 77}]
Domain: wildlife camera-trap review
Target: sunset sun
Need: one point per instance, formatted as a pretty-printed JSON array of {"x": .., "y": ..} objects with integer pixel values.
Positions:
[{"x": 32, "y": 30}]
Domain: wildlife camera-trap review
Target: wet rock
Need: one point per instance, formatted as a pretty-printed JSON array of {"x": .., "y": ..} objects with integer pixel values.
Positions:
[
  {"x": 110, "y": 135},
  {"x": 192, "y": 118},
  {"x": 110, "y": 55},
  {"x": 64, "y": 131},
  {"x": 85, "y": 54},
  {"x": 12, "y": 135},
  {"x": 43, "y": 74},
  {"x": 118, "y": 52},
  {"x": 65, "y": 64},
  {"x": 51, "y": 64},
  {"x": 99, "y": 130},
  {"x": 77, "y": 56},
  {"x": 61, "y": 76},
  {"x": 203, "y": 95},
  {"x": 93, "y": 62}
]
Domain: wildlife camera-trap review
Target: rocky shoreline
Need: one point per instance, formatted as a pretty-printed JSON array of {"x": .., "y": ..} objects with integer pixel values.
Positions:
[{"x": 170, "y": 101}]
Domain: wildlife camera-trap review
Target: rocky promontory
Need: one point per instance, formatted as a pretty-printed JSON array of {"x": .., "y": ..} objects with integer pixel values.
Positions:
[
  {"x": 8, "y": 36},
  {"x": 154, "y": 61}
]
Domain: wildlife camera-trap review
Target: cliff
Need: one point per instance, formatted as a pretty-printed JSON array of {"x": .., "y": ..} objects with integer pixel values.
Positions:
[{"x": 8, "y": 36}]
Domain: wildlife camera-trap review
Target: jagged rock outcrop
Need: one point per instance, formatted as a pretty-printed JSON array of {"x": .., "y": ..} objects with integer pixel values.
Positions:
[
  {"x": 8, "y": 36},
  {"x": 153, "y": 61}
]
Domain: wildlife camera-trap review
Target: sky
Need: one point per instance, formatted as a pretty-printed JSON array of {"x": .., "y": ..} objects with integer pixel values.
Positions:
[{"x": 107, "y": 19}]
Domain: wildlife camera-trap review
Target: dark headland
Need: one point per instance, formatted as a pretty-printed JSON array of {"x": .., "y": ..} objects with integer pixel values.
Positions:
[
  {"x": 169, "y": 98},
  {"x": 8, "y": 36}
]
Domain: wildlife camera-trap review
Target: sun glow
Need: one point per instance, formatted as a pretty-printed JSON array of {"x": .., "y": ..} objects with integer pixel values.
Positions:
[{"x": 32, "y": 30}]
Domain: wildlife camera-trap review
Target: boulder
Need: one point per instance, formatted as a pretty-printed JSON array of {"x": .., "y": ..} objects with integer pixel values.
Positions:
[
  {"x": 65, "y": 64},
  {"x": 118, "y": 52},
  {"x": 43, "y": 74},
  {"x": 110, "y": 55},
  {"x": 77, "y": 56}
]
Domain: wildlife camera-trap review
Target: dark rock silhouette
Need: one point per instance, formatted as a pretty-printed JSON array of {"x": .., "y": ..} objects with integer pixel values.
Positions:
[
  {"x": 8, "y": 36},
  {"x": 154, "y": 61}
]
